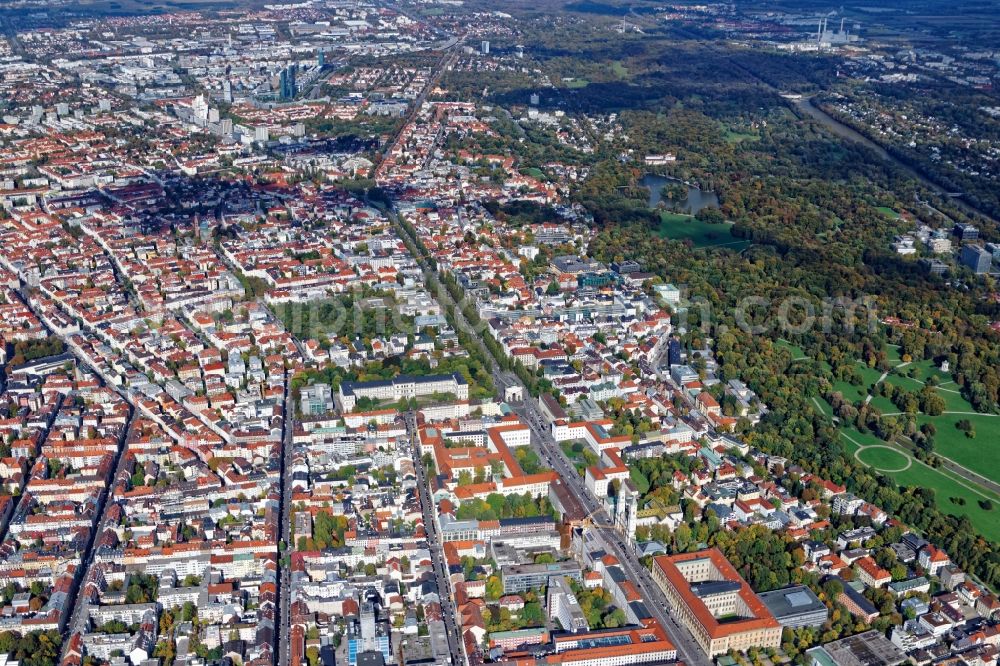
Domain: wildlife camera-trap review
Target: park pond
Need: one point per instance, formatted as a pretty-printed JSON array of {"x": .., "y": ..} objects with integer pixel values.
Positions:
[{"x": 695, "y": 199}]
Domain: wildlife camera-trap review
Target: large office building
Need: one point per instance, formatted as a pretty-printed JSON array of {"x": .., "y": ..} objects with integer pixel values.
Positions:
[
  {"x": 368, "y": 635},
  {"x": 708, "y": 595},
  {"x": 601, "y": 647},
  {"x": 563, "y": 606},
  {"x": 967, "y": 233},
  {"x": 611, "y": 647},
  {"x": 795, "y": 606},
  {"x": 287, "y": 86},
  {"x": 977, "y": 259},
  {"x": 403, "y": 386},
  {"x": 316, "y": 400},
  {"x": 522, "y": 577}
]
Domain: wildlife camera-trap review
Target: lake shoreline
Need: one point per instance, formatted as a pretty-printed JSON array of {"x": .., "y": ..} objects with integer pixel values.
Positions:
[{"x": 696, "y": 198}]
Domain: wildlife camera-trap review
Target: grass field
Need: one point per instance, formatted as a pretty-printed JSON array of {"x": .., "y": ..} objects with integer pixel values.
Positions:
[
  {"x": 892, "y": 353},
  {"x": 978, "y": 454},
  {"x": 884, "y": 405},
  {"x": 902, "y": 381},
  {"x": 924, "y": 370},
  {"x": 913, "y": 376},
  {"x": 677, "y": 226},
  {"x": 950, "y": 442},
  {"x": 576, "y": 83},
  {"x": 953, "y": 496},
  {"x": 639, "y": 479},
  {"x": 731, "y": 136},
  {"x": 850, "y": 392},
  {"x": 794, "y": 350},
  {"x": 823, "y": 406},
  {"x": 888, "y": 212},
  {"x": 884, "y": 458},
  {"x": 972, "y": 453},
  {"x": 618, "y": 69},
  {"x": 854, "y": 392}
]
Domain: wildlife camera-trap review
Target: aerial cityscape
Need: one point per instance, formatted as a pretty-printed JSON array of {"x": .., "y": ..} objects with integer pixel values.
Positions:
[{"x": 459, "y": 332}]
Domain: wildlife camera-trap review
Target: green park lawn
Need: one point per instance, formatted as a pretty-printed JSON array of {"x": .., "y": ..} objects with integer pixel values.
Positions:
[
  {"x": 850, "y": 392},
  {"x": 952, "y": 495},
  {"x": 823, "y": 406},
  {"x": 868, "y": 375},
  {"x": 884, "y": 458},
  {"x": 892, "y": 353},
  {"x": 884, "y": 405},
  {"x": 855, "y": 392},
  {"x": 639, "y": 479},
  {"x": 795, "y": 351},
  {"x": 950, "y": 442},
  {"x": 677, "y": 226},
  {"x": 978, "y": 454},
  {"x": 732, "y": 136},
  {"x": 904, "y": 382}
]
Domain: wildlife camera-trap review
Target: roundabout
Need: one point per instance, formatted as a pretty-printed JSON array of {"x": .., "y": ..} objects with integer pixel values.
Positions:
[{"x": 883, "y": 458}]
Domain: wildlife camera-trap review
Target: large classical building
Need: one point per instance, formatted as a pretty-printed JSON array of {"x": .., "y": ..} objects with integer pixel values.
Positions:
[
  {"x": 403, "y": 386},
  {"x": 713, "y": 601}
]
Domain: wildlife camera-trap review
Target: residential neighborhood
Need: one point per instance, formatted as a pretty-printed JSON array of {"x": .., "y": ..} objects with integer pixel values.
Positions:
[{"x": 313, "y": 357}]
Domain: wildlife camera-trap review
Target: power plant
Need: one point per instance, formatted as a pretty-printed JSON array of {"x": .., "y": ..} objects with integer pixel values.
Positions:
[{"x": 826, "y": 37}]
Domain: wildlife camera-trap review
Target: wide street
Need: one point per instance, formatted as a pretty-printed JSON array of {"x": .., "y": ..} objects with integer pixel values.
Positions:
[
  {"x": 687, "y": 649},
  {"x": 612, "y": 542},
  {"x": 285, "y": 529},
  {"x": 434, "y": 545},
  {"x": 80, "y": 615}
]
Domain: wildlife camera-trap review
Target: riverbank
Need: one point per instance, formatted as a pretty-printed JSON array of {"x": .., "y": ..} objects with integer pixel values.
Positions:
[{"x": 806, "y": 107}]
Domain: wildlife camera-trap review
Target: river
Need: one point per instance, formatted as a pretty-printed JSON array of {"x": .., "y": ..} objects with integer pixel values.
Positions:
[
  {"x": 806, "y": 107},
  {"x": 695, "y": 200}
]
